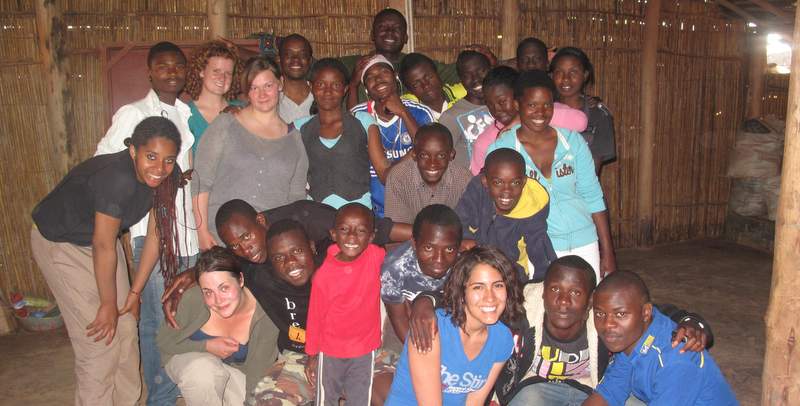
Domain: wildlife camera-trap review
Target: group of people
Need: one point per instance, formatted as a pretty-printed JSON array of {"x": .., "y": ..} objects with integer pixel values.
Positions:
[{"x": 293, "y": 207}]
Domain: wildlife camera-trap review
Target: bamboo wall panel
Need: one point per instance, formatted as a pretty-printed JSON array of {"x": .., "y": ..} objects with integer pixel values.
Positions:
[
  {"x": 443, "y": 28},
  {"x": 24, "y": 161},
  {"x": 699, "y": 85},
  {"x": 776, "y": 91},
  {"x": 337, "y": 29}
]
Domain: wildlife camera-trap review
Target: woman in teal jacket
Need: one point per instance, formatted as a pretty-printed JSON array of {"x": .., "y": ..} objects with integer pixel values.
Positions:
[{"x": 561, "y": 161}]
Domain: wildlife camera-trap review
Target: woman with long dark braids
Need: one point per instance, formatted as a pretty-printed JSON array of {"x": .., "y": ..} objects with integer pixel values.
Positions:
[{"x": 75, "y": 242}]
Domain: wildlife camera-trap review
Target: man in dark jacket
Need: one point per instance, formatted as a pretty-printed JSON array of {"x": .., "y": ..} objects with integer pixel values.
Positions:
[{"x": 504, "y": 208}]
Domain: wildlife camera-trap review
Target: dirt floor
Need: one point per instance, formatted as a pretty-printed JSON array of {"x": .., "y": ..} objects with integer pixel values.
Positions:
[{"x": 726, "y": 283}]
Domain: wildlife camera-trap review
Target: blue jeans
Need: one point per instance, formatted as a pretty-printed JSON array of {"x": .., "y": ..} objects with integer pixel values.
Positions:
[
  {"x": 160, "y": 389},
  {"x": 556, "y": 394}
]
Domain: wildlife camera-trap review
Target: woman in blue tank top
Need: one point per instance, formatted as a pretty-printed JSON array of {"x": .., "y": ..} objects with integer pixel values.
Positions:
[{"x": 481, "y": 296}]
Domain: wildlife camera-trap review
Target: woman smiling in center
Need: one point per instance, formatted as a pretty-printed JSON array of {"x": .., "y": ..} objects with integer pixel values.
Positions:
[{"x": 480, "y": 295}]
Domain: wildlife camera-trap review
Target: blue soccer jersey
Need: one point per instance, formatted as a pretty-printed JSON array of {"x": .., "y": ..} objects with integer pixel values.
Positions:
[
  {"x": 658, "y": 374},
  {"x": 394, "y": 136}
]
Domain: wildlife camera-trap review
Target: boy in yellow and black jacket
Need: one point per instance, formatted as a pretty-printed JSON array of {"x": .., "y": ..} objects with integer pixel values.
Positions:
[{"x": 504, "y": 208}]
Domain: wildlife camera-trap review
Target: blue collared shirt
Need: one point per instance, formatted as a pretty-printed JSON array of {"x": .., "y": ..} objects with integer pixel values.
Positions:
[{"x": 658, "y": 374}]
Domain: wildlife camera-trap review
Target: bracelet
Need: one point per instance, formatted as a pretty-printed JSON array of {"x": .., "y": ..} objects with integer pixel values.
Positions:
[
  {"x": 433, "y": 299},
  {"x": 133, "y": 292},
  {"x": 694, "y": 319}
]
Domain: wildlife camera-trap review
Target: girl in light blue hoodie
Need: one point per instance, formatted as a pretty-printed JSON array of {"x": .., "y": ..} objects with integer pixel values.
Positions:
[{"x": 561, "y": 161}]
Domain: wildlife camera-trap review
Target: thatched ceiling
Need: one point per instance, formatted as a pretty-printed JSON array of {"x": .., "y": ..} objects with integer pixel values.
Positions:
[{"x": 769, "y": 15}]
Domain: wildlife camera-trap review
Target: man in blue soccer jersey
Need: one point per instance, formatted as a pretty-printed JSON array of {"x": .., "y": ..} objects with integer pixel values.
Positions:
[{"x": 391, "y": 123}]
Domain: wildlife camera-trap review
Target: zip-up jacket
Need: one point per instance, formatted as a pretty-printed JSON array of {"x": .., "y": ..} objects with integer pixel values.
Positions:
[{"x": 521, "y": 234}]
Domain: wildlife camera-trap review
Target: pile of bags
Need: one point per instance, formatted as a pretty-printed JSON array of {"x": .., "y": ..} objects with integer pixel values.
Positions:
[{"x": 755, "y": 167}]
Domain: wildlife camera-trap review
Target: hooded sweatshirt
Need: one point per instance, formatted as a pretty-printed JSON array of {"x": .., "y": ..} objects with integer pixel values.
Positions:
[{"x": 521, "y": 234}]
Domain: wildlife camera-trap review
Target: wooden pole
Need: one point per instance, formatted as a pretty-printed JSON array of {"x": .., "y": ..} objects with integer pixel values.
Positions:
[
  {"x": 218, "y": 18},
  {"x": 781, "y": 375},
  {"x": 510, "y": 29},
  {"x": 407, "y": 8},
  {"x": 758, "y": 67},
  {"x": 50, "y": 36},
  {"x": 647, "y": 114}
]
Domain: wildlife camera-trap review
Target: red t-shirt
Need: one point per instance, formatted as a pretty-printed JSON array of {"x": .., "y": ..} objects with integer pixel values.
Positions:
[{"x": 344, "y": 316}]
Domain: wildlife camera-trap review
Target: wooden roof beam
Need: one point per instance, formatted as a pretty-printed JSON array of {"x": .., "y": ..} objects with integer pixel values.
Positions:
[
  {"x": 770, "y": 8},
  {"x": 783, "y": 30}
]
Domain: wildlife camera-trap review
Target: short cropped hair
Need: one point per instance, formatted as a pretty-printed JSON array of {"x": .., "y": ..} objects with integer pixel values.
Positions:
[
  {"x": 624, "y": 280},
  {"x": 500, "y": 76},
  {"x": 231, "y": 207},
  {"x": 531, "y": 79},
  {"x": 577, "y": 263},
  {"x": 161, "y": 48},
  {"x": 534, "y": 42},
  {"x": 438, "y": 215},
  {"x": 434, "y": 128},
  {"x": 504, "y": 155}
]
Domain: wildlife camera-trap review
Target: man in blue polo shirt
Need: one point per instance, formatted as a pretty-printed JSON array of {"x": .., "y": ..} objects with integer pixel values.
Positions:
[{"x": 644, "y": 363}]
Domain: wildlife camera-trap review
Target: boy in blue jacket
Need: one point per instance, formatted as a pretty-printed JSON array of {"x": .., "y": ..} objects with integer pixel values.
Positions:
[
  {"x": 504, "y": 208},
  {"x": 645, "y": 363}
]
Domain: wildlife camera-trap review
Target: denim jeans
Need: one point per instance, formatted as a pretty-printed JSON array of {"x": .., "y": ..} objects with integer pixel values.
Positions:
[
  {"x": 160, "y": 389},
  {"x": 556, "y": 394}
]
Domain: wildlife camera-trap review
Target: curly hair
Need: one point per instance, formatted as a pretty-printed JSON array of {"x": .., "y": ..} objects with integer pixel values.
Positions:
[
  {"x": 194, "y": 83},
  {"x": 456, "y": 285}
]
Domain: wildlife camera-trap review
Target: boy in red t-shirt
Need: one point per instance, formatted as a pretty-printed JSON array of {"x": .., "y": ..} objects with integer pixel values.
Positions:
[{"x": 344, "y": 317}]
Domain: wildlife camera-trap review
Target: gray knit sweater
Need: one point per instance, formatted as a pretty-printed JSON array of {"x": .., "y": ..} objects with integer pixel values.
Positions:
[{"x": 233, "y": 163}]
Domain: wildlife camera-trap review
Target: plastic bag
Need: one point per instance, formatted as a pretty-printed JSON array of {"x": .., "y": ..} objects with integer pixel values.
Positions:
[{"x": 747, "y": 197}]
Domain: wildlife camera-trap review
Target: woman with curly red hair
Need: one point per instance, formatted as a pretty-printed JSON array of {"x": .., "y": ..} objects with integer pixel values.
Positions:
[{"x": 212, "y": 81}]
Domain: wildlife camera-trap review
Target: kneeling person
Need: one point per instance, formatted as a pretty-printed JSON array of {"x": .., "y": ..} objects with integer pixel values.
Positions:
[
  {"x": 644, "y": 363},
  {"x": 225, "y": 339}
]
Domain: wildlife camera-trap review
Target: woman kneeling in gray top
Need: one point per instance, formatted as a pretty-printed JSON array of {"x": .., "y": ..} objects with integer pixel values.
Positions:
[
  {"x": 251, "y": 155},
  {"x": 224, "y": 340}
]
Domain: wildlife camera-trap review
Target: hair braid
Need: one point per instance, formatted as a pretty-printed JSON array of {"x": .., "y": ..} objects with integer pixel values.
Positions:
[{"x": 167, "y": 224}]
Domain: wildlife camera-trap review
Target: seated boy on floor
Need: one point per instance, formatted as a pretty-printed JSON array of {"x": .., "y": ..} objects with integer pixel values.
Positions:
[
  {"x": 504, "y": 208},
  {"x": 344, "y": 317},
  {"x": 427, "y": 178},
  {"x": 645, "y": 363},
  {"x": 560, "y": 360}
]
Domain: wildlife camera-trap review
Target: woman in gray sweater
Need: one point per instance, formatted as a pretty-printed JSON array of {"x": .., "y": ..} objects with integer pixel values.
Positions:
[
  {"x": 225, "y": 339},
  {"x": 250, "y": 155}
]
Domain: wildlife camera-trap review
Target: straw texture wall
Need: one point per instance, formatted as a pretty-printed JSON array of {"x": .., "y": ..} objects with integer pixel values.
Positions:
[
  {"x": 776, "y": 91},
  {"x": 699, "y": 87}
]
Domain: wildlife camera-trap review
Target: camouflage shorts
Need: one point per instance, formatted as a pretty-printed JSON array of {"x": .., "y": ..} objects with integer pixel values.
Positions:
[{"x": 285, "y": 383}]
